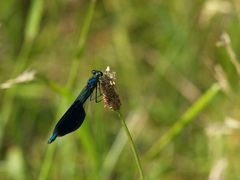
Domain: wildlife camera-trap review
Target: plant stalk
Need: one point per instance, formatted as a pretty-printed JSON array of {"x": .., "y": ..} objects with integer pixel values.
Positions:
[{"x": 133, "y": 147}]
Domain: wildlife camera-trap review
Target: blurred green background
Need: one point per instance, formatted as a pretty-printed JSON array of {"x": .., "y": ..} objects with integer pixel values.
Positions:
[{"x": 177, "y": 76}]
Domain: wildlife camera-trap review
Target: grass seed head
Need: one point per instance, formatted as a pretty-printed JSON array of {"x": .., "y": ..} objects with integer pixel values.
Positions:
[{"x": 110, "y": 96}]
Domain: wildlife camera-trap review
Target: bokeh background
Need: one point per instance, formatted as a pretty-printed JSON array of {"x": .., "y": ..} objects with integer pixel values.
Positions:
[{"x": 177, "y": 75}]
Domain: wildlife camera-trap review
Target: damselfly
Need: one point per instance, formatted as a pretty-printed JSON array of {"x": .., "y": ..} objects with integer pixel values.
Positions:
[{"x": 74, "y": 116}]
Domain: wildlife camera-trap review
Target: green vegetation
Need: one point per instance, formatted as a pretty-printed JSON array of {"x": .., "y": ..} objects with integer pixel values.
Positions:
[{"x": 177, "y": 65}]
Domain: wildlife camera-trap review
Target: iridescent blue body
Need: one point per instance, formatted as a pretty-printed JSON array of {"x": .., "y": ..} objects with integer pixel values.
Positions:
[{"x": 74, "y": 116}]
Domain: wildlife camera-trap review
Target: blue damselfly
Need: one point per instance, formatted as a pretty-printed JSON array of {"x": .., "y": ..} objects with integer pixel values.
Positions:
[{"x": 74, "y": 116}]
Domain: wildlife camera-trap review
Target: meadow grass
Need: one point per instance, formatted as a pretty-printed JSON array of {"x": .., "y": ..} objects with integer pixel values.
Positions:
[{"x": 178, "y": 79}]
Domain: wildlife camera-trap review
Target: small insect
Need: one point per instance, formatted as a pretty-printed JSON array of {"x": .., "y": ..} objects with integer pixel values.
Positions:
[{"x": 74, "y": 116}]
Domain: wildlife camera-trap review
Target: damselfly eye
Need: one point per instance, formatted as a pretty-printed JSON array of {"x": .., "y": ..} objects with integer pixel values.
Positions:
[{"x": 94, "y": 72}]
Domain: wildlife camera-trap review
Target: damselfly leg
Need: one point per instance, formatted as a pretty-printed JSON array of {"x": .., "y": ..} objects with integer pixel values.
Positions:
[
  {"x": 98, "y": 94},
  {"x": 98, "y": 89}
]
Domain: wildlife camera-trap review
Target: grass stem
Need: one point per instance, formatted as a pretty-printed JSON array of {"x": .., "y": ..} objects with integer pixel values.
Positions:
[
  {"x": 185, "y": 119},
  {"x": 133, "y": 147}
]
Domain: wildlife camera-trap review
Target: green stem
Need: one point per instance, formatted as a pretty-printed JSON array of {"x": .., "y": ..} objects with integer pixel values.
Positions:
[
  {"x": 185, "y": 119},
  {"x": 48, "y": 158},
  {"x": 134, "y": 150},
  {"x": 47, "y": 161},
  {"x": 31, "y": 31},
  {"x": 81, "y": 44}
]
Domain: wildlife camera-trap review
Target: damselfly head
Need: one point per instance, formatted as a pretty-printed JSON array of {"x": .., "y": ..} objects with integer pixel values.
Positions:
[{"x": 97, "y": 73}]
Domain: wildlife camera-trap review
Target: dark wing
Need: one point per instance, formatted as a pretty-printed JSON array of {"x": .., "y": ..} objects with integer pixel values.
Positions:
[
  {"x": 71, "y": 120},
  {"x": 85, "y": 93}
]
